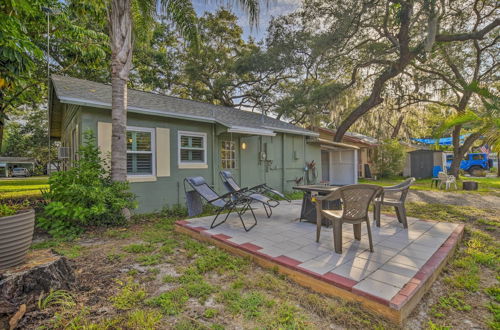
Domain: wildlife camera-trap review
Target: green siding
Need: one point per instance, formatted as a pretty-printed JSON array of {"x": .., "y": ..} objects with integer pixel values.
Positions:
[{"x": 287, "y": 152}]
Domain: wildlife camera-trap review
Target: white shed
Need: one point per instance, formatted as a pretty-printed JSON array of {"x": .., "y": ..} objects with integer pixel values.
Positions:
[{"x": 339, "y": 162}]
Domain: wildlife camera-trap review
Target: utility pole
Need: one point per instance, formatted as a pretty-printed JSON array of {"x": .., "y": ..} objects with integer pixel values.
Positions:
[{"x": 48, "y": 12}]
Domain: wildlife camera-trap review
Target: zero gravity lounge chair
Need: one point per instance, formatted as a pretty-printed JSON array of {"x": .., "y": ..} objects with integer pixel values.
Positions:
[
  {"x": 255, "y": 193},
  {"x": 232, "y": 201}
]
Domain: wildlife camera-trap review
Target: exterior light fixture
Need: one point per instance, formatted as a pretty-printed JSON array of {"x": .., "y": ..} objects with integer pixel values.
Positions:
[{"x": 243, "y": 146}]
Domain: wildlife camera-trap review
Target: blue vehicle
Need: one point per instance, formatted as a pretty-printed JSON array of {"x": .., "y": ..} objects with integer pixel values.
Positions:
[{"x": 472, "y": 162}]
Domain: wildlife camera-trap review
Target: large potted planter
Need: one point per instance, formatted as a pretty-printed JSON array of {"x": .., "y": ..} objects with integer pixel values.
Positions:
[{"x": 16, "y": 234}]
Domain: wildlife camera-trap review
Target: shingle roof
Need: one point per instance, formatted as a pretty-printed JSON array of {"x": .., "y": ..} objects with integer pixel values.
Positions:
[
  {"x": 17, "y": 160},
  {"x": 83, "y": 92}
]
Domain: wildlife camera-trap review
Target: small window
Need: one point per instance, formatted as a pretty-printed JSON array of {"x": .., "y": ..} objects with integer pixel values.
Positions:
[
  {"x": 192, "y": 148},
  {"x": 477, "y": 157},
  {"x": 228, "y": 154},
  {"x": 140, "y": 156}
]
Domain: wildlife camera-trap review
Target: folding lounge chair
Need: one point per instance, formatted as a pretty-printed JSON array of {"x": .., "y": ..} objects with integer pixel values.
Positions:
[
  {"x": 232, "y": 201},
  {"x": 255, "y": 193}
]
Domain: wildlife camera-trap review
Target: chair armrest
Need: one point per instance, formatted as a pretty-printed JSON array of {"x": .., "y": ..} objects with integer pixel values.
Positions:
[{"x": 231, "y": 193}]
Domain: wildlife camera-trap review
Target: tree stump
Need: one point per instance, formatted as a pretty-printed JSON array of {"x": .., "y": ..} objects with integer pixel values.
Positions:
[{"x": 41, "y": 272}]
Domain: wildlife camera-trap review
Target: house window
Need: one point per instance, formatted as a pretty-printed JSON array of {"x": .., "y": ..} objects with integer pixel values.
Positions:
[
  {"x": 140, "y": 155},
  {"x": 192, "y": 148},
  {"x": 228, "y": 154}
]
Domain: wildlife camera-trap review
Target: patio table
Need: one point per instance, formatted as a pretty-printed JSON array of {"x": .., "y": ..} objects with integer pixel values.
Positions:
[{"x": 308, "y": 210}]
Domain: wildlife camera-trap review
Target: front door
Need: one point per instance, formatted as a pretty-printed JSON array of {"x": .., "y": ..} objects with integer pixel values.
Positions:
[{"x": 252, "y": 170}]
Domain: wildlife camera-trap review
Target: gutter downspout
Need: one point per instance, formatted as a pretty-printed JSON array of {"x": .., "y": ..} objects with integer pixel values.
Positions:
[
  {"x": 283, "y": 162},
  {"x": 213, "y": 155}
]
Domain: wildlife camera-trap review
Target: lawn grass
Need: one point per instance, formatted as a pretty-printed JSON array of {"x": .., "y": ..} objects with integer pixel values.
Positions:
[
  {"x": 13, "y": 188},
  {"x": 486, "y": 185}
]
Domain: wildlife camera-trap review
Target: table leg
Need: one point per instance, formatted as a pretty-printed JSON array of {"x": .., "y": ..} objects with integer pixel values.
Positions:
[{"x": 303, "y": 207}]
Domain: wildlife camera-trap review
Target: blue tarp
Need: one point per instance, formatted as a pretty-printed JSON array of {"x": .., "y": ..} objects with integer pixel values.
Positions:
[{"x": 442, "y": 141}]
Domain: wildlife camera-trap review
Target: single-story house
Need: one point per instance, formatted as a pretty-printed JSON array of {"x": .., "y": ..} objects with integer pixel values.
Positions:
[
  {"x": 7, "y": 164},
  {"x": 170, "y": 138}
]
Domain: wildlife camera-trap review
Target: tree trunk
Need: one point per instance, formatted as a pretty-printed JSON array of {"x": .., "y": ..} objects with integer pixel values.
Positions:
[
  {"x": 395, "y": 68},
  {"x": 121, "y": 57},
  {"x": 459, "y": 153},
  {"x": 395, "y": 132},
  {"x": 43, "y": 271},
  {"x": 1, "y": 136},
  {"x": 498, "y": 163}
]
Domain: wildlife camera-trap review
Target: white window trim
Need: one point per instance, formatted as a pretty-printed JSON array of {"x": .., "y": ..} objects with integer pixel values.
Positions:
[
  {"x": 147, "y": 177},
  {"x": 235, "y": 155},
  {"x": 195, "y": 165}
]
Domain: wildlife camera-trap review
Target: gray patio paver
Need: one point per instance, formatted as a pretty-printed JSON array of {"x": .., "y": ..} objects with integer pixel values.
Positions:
[
  {"x": 287, "y": 246},
  {"x": 326, "y": 262},
  {"x": 421, "y": 225},
  {"x": 430, "y": 241},
  {"x": 390, "y": 278},
  {"x": 272, "y": 251},
  {"x": 414, "y": 251},
  {"x": 240, "y": 239},
  {"x": 315, "y": 248},
  {"x": 385, "y": 250},
  {"x": 363, "y": 263},
  {"x": 396, "y": 244},
  {"x": 300, "y": 255},
  {"x": 409, "y": 235},
  {"x": 400, "y": 269},
  {"x": 410, "y": 261},
  {"x": 353, "y": 273},
  {"x": 375, "y": 256},
  {"x": 262, "y": 242},
  {"x": 377, "y": 288}
]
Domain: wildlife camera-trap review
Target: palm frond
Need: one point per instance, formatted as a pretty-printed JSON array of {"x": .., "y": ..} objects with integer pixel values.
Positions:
[{"x": 183, "y": 15}]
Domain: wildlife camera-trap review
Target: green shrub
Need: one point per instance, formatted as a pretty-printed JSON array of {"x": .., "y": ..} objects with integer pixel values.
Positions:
[
  {"x": 389, "y": 158},
  {"x": 84, "y": 195}
]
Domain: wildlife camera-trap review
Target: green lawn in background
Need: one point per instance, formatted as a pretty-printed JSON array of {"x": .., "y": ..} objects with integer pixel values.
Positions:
[
  {"x": 22, "y": 188},
  {"x": 489, "y": 184}
]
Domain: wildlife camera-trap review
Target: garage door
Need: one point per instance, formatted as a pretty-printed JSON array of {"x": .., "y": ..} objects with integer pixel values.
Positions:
[{"x": 343, "y": 167}]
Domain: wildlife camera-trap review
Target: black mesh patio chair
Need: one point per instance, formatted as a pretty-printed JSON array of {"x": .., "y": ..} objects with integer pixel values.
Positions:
[
  {"x": 255, "y": 193},
  {"x": 393, "y": 196},
  {"x": 236, "y": 202}
]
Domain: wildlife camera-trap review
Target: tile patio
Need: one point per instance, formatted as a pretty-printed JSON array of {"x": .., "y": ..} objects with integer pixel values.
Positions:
[{"x": 402, "y": 261}]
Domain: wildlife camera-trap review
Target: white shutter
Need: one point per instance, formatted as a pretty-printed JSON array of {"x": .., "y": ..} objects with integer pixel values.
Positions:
[{"x": 104, "y": 140}]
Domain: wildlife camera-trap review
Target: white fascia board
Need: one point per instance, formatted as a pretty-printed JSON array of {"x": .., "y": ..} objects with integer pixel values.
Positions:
[
  {"x": 250, "y": 130},
  {"x": 291, "y": 131}
]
